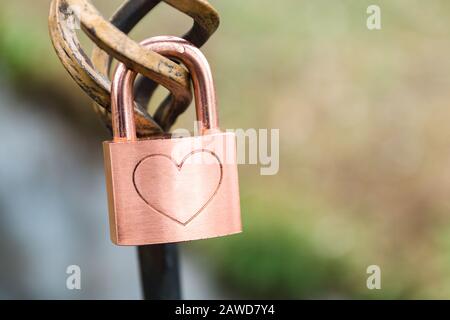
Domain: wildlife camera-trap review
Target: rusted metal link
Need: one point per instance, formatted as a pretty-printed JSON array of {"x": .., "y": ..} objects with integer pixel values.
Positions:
[
  {"x": 92, "y": 76},
  {"x": 206, "y": 21}
]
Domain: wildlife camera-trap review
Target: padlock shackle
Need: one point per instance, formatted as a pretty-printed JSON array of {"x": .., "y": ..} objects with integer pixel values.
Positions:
[{"x": 122, "y": 94}]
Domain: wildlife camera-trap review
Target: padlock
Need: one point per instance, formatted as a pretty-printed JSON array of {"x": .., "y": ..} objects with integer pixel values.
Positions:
[{"x": 171, "y": 189}]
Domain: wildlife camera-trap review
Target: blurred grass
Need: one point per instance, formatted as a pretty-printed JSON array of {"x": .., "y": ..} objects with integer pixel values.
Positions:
[
  {"x": 364, "y": 176},
  {"x": 24, "y": 45}
]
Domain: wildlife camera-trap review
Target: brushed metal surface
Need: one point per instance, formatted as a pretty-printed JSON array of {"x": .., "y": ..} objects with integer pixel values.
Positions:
[{"x": 189, "y": 190}]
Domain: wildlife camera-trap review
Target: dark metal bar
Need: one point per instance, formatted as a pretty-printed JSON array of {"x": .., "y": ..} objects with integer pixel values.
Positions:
[{"x": 159, "y": 272}]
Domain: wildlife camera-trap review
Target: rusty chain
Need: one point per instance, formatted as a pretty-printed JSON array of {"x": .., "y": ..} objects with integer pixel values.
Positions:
[{"x": 112, "y": 42}]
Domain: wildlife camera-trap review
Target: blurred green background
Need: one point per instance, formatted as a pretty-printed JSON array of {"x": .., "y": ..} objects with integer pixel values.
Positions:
[{"x": 364, "y": 138}]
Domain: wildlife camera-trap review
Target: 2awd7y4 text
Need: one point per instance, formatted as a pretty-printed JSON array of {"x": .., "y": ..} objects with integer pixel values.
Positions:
[{"x": 226, "y": 309}]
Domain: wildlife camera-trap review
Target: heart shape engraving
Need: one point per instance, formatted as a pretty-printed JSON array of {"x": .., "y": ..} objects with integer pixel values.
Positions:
[{"x": 179, "y": 191}]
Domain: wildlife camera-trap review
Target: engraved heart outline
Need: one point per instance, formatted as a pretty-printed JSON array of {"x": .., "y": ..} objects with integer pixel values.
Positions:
[{"x": 179, "y": 166}]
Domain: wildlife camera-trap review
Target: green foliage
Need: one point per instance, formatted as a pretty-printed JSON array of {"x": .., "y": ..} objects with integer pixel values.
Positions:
[
  {"x": 24, "y": 48},
  {"x": 273, "y": 259}
]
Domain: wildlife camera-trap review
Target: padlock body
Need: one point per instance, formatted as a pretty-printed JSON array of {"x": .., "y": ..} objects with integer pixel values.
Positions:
[{"x": 172, "y": 190}]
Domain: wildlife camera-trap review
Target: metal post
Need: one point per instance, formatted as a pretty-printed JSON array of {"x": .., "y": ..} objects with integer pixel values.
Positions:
[{"x": 159, "y": 272}]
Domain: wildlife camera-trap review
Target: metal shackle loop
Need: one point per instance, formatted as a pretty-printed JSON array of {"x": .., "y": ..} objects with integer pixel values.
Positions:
[{"x": 122, "y": 96}]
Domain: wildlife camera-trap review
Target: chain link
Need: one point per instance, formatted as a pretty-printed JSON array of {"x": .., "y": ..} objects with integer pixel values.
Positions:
[{"x": 111, "y": 42}]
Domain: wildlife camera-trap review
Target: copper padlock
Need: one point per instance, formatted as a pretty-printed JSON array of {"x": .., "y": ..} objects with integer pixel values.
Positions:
[{"x": 167, "y": 189}]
